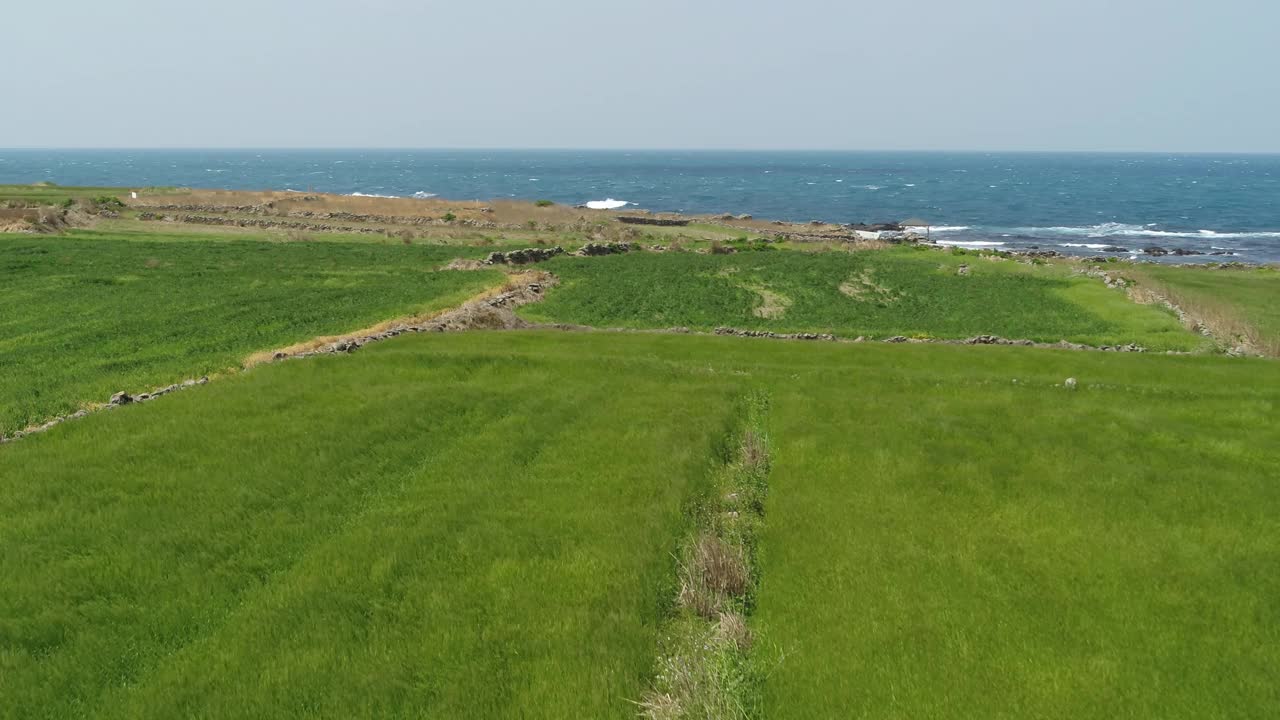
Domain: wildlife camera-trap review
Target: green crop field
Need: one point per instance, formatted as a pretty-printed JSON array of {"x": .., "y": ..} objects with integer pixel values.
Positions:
[
  {"x": 943, "y": 542},
  {"x": 86, "y": 315},
  {"x": 445, "y": 529},
  {"x": 594, "y": 524},
  {"x": 482, "y": 525},
  {"x": 873, "y": 293}
]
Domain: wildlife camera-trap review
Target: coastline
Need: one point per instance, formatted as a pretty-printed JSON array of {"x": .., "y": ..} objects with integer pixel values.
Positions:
[
  {"x": 295, "y": 211},
  {"x": 1073, "y": 203}
]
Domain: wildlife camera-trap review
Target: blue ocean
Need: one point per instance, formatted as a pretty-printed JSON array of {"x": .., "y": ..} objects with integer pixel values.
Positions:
[{"x": 1079, "y": 203}]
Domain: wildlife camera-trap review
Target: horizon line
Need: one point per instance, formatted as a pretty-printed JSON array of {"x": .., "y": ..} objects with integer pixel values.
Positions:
[{"x": 979, "y": 151}]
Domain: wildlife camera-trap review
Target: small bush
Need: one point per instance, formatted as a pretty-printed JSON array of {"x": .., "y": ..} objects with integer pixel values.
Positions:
[
  {"x": 449, "y": 217},
  {"x": 108, "y": 202},
  {"x": 544, "y": 203}
]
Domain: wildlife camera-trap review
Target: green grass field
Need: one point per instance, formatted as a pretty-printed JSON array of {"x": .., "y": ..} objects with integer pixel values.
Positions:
[
  {"x": 502, "y": 524},
  {"x": 945, "y": 543},
  {"x": 1241, "y": 300},
  {"x": 481, "y": 525},
  {"x": 873, "y": 293},
  {"x": 47, "y": 194},
  {"x": 445, "y": 529},
  {"x": 86, "y": 315}
]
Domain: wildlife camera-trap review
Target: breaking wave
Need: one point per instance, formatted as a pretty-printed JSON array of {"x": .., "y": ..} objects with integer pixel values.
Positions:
[
  {"x": 1106, "y": 230},
  {"x": 609, "y": 204},
  {"x": 937, "y": 228},
  {"x": 969, "y": 243}
]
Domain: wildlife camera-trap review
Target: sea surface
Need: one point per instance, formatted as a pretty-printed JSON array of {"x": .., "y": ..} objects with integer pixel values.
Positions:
[{"x": 1077, "y": 203}]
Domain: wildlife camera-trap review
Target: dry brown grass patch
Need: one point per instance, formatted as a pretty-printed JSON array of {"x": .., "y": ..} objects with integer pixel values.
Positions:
[
  {"x": 864, "y": 287},
  {"x": 713, "y": 572},
  {"x": 1219, "y": 318},
  {"x": 732, "y": 628},
  {"x": 660, "y": 706},
  {"x": 773, "y": 305},
  {"x": 754, "y": 452}
]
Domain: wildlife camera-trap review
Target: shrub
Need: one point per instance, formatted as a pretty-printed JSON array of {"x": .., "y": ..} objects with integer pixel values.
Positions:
[
  {"x": 449, "y": 217},
  {"x": 108, "y": 201},
  {"x": 544, "y": 203}
]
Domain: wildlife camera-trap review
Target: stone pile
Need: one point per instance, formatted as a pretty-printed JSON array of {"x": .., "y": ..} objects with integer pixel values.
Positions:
[
  {"x": 523, "y": 257},
  {"x": 773, "y": 335},
  {"x": 610, "y": 248},
  {"x": 117, "y": 400},
  {"x": 641, "y": 220}
]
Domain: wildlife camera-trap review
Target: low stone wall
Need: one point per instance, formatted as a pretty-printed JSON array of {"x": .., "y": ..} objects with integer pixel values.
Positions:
[
  {"x": 523, "y": 257},
  {"x": 663, "y": 222}
]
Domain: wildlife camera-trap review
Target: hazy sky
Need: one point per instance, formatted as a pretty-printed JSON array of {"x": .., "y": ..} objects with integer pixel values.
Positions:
[{"x": 1164, "y": 75}]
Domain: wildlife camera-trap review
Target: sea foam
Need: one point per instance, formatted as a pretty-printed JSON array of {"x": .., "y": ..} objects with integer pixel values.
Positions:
[
  {"x": 969, "y": 243},
  {"x": 1113, "y": 229},
  {"x": 609, "y": 204}
]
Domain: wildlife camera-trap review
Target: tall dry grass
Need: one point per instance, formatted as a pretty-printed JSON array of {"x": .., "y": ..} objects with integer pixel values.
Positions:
[{"x": 1219, "y": 317}]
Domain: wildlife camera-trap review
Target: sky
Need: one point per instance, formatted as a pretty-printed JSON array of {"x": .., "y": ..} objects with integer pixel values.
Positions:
[{"x": 1087, "y": 75}]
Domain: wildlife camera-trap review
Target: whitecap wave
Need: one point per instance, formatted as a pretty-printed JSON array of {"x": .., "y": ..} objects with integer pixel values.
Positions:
[
  {"x": 609, "y": 204},
  {"x": 423, "y": 195},
  {"x": 936, "y": 228},
  {"x": 1091, "y": 246},
  {"x": 1112, "y": 229},
  {"x": 969, "y": 243},
  {"x": 872, "y": 187},
  {"x": 371, "y": 195}
]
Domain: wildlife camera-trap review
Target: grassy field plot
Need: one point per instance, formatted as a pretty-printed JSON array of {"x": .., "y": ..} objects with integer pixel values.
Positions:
[
  {"x": 950, "y": 544},
  {"x": 481, "y": 525},
  {"x": 1240, "y": 303},
  {"x": 48, "y": 194},
  {"x": 422, "y": 529},
  {"x": 875, "y": 293},
  {"x": 89, "y": 314}
]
